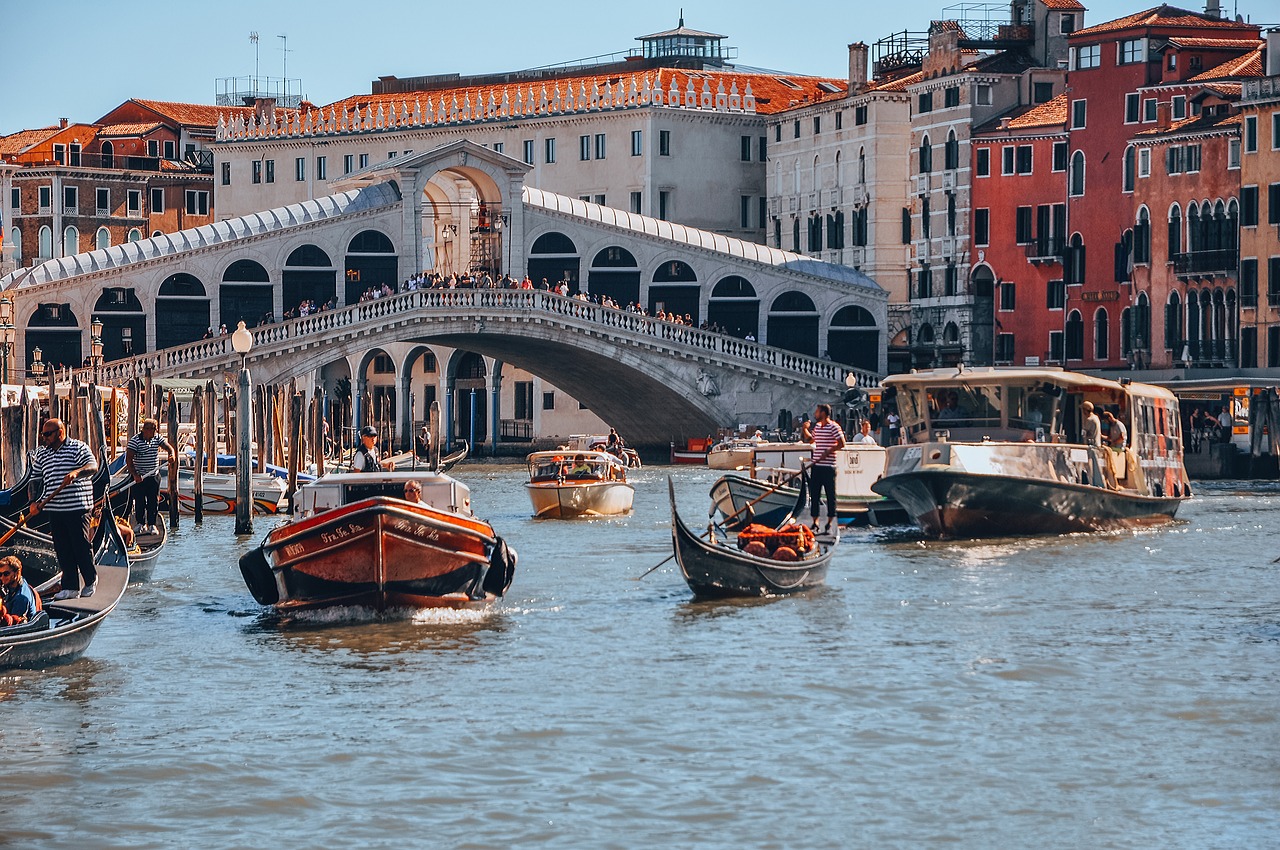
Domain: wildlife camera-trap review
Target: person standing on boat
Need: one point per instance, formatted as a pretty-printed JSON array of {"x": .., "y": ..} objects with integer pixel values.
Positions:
[
  {"x": 865, "y": 438},
  {"x": 827, "y": 438},
  {"x": 1091, "y": 426},
  {"x": 142, "y": 461},
  {"x": 1117, "y": 434},
  {"x": 66, "y": 468},
  {"x": 366, "y": 458},
  {"x": 17, "y": 600}
]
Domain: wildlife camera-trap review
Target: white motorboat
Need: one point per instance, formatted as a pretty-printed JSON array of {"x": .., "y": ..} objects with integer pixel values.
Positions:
[{"x": 578, "y": 484}]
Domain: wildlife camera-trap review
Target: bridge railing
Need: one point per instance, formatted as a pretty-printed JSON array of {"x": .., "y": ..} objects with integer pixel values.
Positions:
[{"x": 217, "y": 352}]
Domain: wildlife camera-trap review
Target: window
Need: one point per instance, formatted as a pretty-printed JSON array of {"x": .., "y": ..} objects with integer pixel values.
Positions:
[
  {"x": 322, "y": 168},
  {"x": 1024, "y": 159},
  {"x": 300, "y": 169},
  {"x": 1233, "y": 153},
  {"x": 950, "y": 280},
  {"x": 840, "y": 120},
  {"x": 1131, "y": 108},
  {"x": 982, "y": 227},
  {"x": 1088, "y": 57},
  {"x": 348, "y": 164},
  {"x": 982, "y": 164},
  {"x": 197, "y": 203},
  {"x": 762, "y": 212},
  {"x": 15, "y": 198},
  {"x": 1067, "y": 24},
  {"x": 1144, "y": 162},
  {"x": 1007, "y": 159},
  {"x": 1149, "y": 109},
  {"x": 951, "y": 153},
  {"x": 1249, "y": 283},
  {"x": 60, "y": 154},
  {"x": 926, "y": 156},
  {"x": 983, "y": 95},
  {"x": 1055, "y": 295},
  {"x": 1042, "y": 92},
  {"x": 524, "y": 400},
  {"x": 1173, "y": 62},
  {"x": 1175, "y": 231},
  {"x": 102, "y": 202},
  {"x": 817, "y": 124},
  {"x": 364, "y": 163},
  {"x": 257, "y": 170},
  {"x": 1131, "y": 51},
  {"x": 133, "y": 202},
  {"x": 271, "y": 167},
  {"x": 1192, "y": 158},
  {"x": 1079, "y": 110},
  {"x": 157, "y": 201},
  {"x": 1101, "y": 332},
  {"x": 74, "y": 153},
  {"x": 744, "y": 211},
  {"x": 391, "y": 155},
  {"x": 1076, "y": 178},
  {"x": 1004, "y": 348},
  {"x": 664, "y": 141},
  {"x": 1273, "y": 284},
  {"x": 1055, "y": 346},
  {"x": 70, "y": 198},
  {"x": 859, "y": 115},
  {"x": 925, "y": 102},
  {"x": 906, "y": 225},
  {"x": 924, "y": 283},
  {"x": 777, "y": 132},
  {"x": 549, "y": 150},
  {"x": 1059, "y": 156},
  {"x": 637, "y": 199},
  {"x": 548, "y": 401},
  {"x": 584, "y": 148},
  {"x": 1275, "y": 131},
  {"x": 1130, "y": 168},
  {"x": 1251, "y": 134},
  {"x": 170, "y": 150},
  {"x": 1179, "y": 107},
  {"x": 664, "y": 204},
  {"x": 745, "y": 153},
  {"x": 600, "y": 145},
  {"x": 637, "y": 142},
  {"x": 498, "y": 147},
  {"x": 46, "y": 196},
  {"x": 951, "y": 96},
  {"x": 1273, "y": 203},
  {"x": 1195, "y": 63},
  {"x": 1022, "y": 226},
  {"x": 528, "y": 151},
  {"x": 1173, "y": 159},
  {"x": 153, "y": 148},
  {"x": 1248, "y": 206},
  {"x": 1008, "y": 296},
  {"x": 795, "y": 129},
  {"x": 1142, "y": 237},
  {"x": 226, "y": 174}
]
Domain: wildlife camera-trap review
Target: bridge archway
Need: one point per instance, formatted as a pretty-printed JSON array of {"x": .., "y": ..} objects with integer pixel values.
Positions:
[
  {"x": 793, "y": 323},
  {"x": 853, "y": 338},
  {"x": 246, "y": 294},
  {"x": 466, "y": 379},
  {"x": 675, "y": 289},
  {"x": 371, "y": 261},
  {"x": 735, "y": 307},
  {"x": 308, "y": 275},
  {"x": 55, "y": 330},
  {"x": 182, "y": 310},
  {"x": 615, "y": 273},
  {"x": 554, "y": 257},
  {"x": 124, "y": 324}
]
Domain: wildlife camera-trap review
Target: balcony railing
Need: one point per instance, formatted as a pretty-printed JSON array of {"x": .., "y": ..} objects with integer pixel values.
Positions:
[
  {"x": 1209, "y": 352},
  {"x": 1047, "y": 250},
  {"x": 1217, "y": 261}
]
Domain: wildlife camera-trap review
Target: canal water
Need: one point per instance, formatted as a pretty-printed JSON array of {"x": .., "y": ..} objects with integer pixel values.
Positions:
[{"x": 1104, "y": 691}]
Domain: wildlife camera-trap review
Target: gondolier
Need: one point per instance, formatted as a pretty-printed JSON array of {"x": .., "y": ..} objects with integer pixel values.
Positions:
[
  {"x": 142, "y": 461},
  {"x": 827, "y": 437},
  {"x": 65, "y": 468}
]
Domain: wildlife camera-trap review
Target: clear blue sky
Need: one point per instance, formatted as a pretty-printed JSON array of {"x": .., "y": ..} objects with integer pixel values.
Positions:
[{"x": 82, "y": 58}]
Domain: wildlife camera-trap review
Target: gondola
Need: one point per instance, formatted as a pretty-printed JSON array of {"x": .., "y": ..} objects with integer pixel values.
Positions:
[
  {"x": 62, "y": 631},
  {"x": 145, "y": 551},
  {"x": 716, "y": 568}
]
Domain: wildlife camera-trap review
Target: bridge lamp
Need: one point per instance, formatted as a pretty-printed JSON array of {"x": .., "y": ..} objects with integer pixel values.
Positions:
[
  {"x": 242, "y": 342},
  {"x": 37, "y": 363},
  {"x": 7, "y": 335}
]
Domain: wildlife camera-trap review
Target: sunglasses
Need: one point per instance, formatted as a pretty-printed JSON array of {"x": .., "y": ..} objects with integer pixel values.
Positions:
[{"x": 48, "y": 433}]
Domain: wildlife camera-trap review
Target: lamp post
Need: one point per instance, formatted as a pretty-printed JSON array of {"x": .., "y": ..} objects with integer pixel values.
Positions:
[
  {"x": 37, "y": 364},
  {"x": 7, "y": 335},
  {"x": 242, "y": 342},
  {"x": 95, "y": 348}
]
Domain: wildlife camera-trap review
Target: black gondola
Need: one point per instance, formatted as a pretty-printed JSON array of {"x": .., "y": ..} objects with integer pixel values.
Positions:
[
  {"x": 63, "y": 630},
  {"x": 715, "y": 568}
]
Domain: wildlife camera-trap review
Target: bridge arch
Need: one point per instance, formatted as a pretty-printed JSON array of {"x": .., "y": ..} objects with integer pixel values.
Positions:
[
  {"x": 614, "y": 272},
  {"x": 467, "y": 404},
  {"x": 182, "y": 310},
  {"x": 246, "y": 294},
  {"x": 370, "y": 261},
  {"x": 675, "y": 288},
  {"x": 555, "y": 257},
  {"x": 793, "y": 323},
  {"x": 853, "y": 338},
  {"x": 308, "y": 274},
  {"x": 735, "y": 307},
  {"x": 124, "y": 324},
  {"x": 55, "y": 330}
]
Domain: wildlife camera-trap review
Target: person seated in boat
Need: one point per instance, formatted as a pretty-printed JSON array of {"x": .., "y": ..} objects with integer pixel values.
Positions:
[
  {"x": 18, "y": 602},
  {"x": 366, "y": 457},
  {"x": 581, "y": 469},
  {"x": 951, "y": 408},
  {"x": 413, "y": 492},
  {"x": 865, "y": 438}
]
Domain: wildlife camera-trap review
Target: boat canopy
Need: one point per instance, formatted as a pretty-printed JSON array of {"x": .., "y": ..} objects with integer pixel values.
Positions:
[{"x": 550, "y": 466}]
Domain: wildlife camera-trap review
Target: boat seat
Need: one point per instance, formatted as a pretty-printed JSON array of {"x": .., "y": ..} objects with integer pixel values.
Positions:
[{"x": 38, "y": 623}]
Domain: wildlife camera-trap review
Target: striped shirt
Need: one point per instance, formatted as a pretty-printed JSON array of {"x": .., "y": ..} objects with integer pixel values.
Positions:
[
  {"x": 826, "y": 436},
  {"x": 52, "y": 465},
  {"x": 146, "y": 453}
]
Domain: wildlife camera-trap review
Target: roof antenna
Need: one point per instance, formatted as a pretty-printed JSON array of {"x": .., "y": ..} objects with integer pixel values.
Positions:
[{"x": 681, "y": 16}]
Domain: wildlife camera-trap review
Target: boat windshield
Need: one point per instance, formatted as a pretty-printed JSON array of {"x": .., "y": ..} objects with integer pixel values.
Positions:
[
  {"x": 966, "y": 411},
  {"x": 565, "y": 466}
]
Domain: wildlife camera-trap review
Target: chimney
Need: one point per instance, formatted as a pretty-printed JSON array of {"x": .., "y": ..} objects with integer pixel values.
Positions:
[
  {"x": 1213, "y": 8},
  {"x": 1273, "y": 52},
  {"x": 62, "y": 123},
  {"x": 857, "y": 67},
  {"x": 1164, "y": 114},
  {"x": 264, "y": 108}
]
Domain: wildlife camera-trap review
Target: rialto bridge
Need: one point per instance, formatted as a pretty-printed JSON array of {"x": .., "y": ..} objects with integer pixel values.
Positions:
[{"x": 795, "y": 328}]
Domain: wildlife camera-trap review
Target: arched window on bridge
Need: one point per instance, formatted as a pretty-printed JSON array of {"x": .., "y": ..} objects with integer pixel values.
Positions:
[
  {"x": 734, "y": 307},
  {"x": 675, "y": 289},
  {"x": 182, "y": 311},
  {"x": 371, "y": 262},
  {"x": 245, "y": 294},
  {"x": 55, "y": 330},
  {"x": 308, "y": 276},
  {"x": 554, "y": 257},
  {"x": 124, "y": 325},
  {"x": 854, "y": 339},
  {"x": 793, "y": 323},
  {"x": 615, "y": 273}
]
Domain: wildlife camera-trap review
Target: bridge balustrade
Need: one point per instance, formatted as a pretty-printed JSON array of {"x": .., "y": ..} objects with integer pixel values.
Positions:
[{"x": 213, "y": 354}]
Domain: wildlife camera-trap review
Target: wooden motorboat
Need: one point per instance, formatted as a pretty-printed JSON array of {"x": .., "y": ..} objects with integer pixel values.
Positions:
[
  {"x": 354, "y": 541},
  {"x": 716, "y": 567},
  {"x": 600, "y": 443},
  {"x": 581, "y": 484},
  {"x": 63, "y": 630},
  {"x": 1002, "y": 452},
  {"x": 692, "y": 453}
]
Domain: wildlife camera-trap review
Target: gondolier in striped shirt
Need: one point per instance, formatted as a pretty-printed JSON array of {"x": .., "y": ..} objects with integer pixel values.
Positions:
[
  {"x": 827, "y": 438},
  {"x": 65, "y": 468},
  {"x": 142, "y": 460}
]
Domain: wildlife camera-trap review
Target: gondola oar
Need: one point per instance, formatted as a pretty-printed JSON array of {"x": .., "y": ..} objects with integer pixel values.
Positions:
[{"x": 26, "y": 515}]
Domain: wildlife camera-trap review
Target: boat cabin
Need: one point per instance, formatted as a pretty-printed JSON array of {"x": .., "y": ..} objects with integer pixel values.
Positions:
[
  {"x": 581, "y": 465},
  {"x": 338, "y": 489}
]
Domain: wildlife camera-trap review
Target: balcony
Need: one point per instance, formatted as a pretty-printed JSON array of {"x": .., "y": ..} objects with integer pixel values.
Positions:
[
  {"x": 1208, "y": 352},
  {"x": 857, "y": 256},
  {"x": 949, "y": 181},
  {"x": 923, "y": 250},
  {"x": 1220, "y": 261},
  {"x": 1047, "y": 250},
  {"x": 857, "y": 194},
  {"x": 922, "y": 184}
]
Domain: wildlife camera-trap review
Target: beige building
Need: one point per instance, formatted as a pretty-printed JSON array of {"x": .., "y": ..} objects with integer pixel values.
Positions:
[{"x": 1259, "y": 280}]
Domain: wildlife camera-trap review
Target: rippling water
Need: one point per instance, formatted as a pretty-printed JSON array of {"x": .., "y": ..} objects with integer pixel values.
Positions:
[{"x": 1113, "y": 691}]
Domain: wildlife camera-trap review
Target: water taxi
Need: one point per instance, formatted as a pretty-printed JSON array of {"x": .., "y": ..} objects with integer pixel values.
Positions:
[
  {"x": 581, "y": 484},
  {"x": 1002, "y": 451}
]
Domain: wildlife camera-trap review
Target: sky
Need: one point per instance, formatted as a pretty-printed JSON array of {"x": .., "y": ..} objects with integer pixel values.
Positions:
[{"x": 88, "y": 57}]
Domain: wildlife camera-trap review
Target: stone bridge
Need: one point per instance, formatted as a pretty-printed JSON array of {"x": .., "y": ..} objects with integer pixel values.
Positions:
[{"x": 651, "y": 379}]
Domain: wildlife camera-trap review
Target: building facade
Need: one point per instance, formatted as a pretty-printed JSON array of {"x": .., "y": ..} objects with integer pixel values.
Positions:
[{"x": 1260, "y": 214}]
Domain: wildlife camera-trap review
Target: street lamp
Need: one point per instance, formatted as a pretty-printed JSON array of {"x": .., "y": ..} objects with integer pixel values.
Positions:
[
  {"x": 37, "y": 364},
  {"x": 95, "y": 348},
  {"x": 7, "y": 336},
  {"x": 242, "y": 343}
]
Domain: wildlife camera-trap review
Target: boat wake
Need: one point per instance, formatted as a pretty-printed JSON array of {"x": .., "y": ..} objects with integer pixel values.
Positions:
[{"x": 350, "y": 614}]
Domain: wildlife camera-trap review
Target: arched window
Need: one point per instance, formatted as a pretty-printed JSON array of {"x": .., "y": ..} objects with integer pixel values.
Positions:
[
  {"x": 816, "y": 185},
  {"x": 1231, "y": 238},
  {"x": 795, "y": 176},
  {"x": 1173, "y": 325},
  {"x": 734, "y": 308},
  {"x": 839, "y": 171},
  {"x": 370, "y": 242},
  {"x": 553, "y": 243},
  {"x": 102, "y": 239},
  {"x": 108, "y": 155},
  {"x": 1195, "y": 236},
  {"x": 309, "y": 256},
  {"x": 951, "y": 333},
  {"x": 675, "y": 271},
  {"x": 70, "y": 241},
  {"x": 1076, "y": 179},
  {"x": 1101, "y": 332},
  {"x": 1130, "y": 167},
  {"x": 793, "y": 323},
  {"x": 1142, "y": 237},
  {"x": 1142, "y": 323},
  {"x": 1175, "y": 231},
  {"x": 952, "y": 153},
  {"x": 45, "y": 242},
  {"x": 1075, "y": 262},
  {"x": 926, "y": 155},
  {"x": 1075, "y": 336},
  {"x": 862, "y": 165},
  {"x": 182, "y": 310},
  {"x": 614, "y": 273},
  {"x": 135, "y": 235},
  {"x": 15, "y": 237}
]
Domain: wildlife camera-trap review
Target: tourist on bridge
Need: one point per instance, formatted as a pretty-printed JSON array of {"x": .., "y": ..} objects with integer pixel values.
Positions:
[
  {"x": 142, "y": 462},
  {"x": 366, "y": 457},
  {"x": 65, "y": 469}
]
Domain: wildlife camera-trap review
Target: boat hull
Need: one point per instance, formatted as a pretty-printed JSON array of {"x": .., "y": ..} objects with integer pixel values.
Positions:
[
  {"x": 382, "y": 553},
  {"x": 729, "y": 458},
  {"x": 732, "y": 493},
  {"x": 554, "y": 500}
]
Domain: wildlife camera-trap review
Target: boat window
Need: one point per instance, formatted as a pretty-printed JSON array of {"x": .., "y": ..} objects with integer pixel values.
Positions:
[
  {"x": 1035, "y": 409},
  {"x": 356, "y": 492},
  {"x": 964, "y": 406}
]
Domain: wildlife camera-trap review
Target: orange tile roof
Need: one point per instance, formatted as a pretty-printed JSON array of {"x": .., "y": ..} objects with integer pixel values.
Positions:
[
  {"x": 18, "y": 142},
  {"x": 1248, "y": 65},
  {"x": 899, "y": 84},
  {"x": 1194, "y": 122},
  {"x": 1215, "y": 43},
  {"x": 1051, "y": 113},
  {"x": 198, "y": 114},
  {"x": 771, "y": 93},
  {"x": 127, "y": 129},
  {"x": 1064, "y": 5},
  {"x": 1167, "y": 17}
]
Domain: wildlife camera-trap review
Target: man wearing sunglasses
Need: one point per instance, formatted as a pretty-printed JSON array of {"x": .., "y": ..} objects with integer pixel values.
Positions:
[
  {"x": 17, "y": 599},
  {"x": 66, "y": 468}
]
